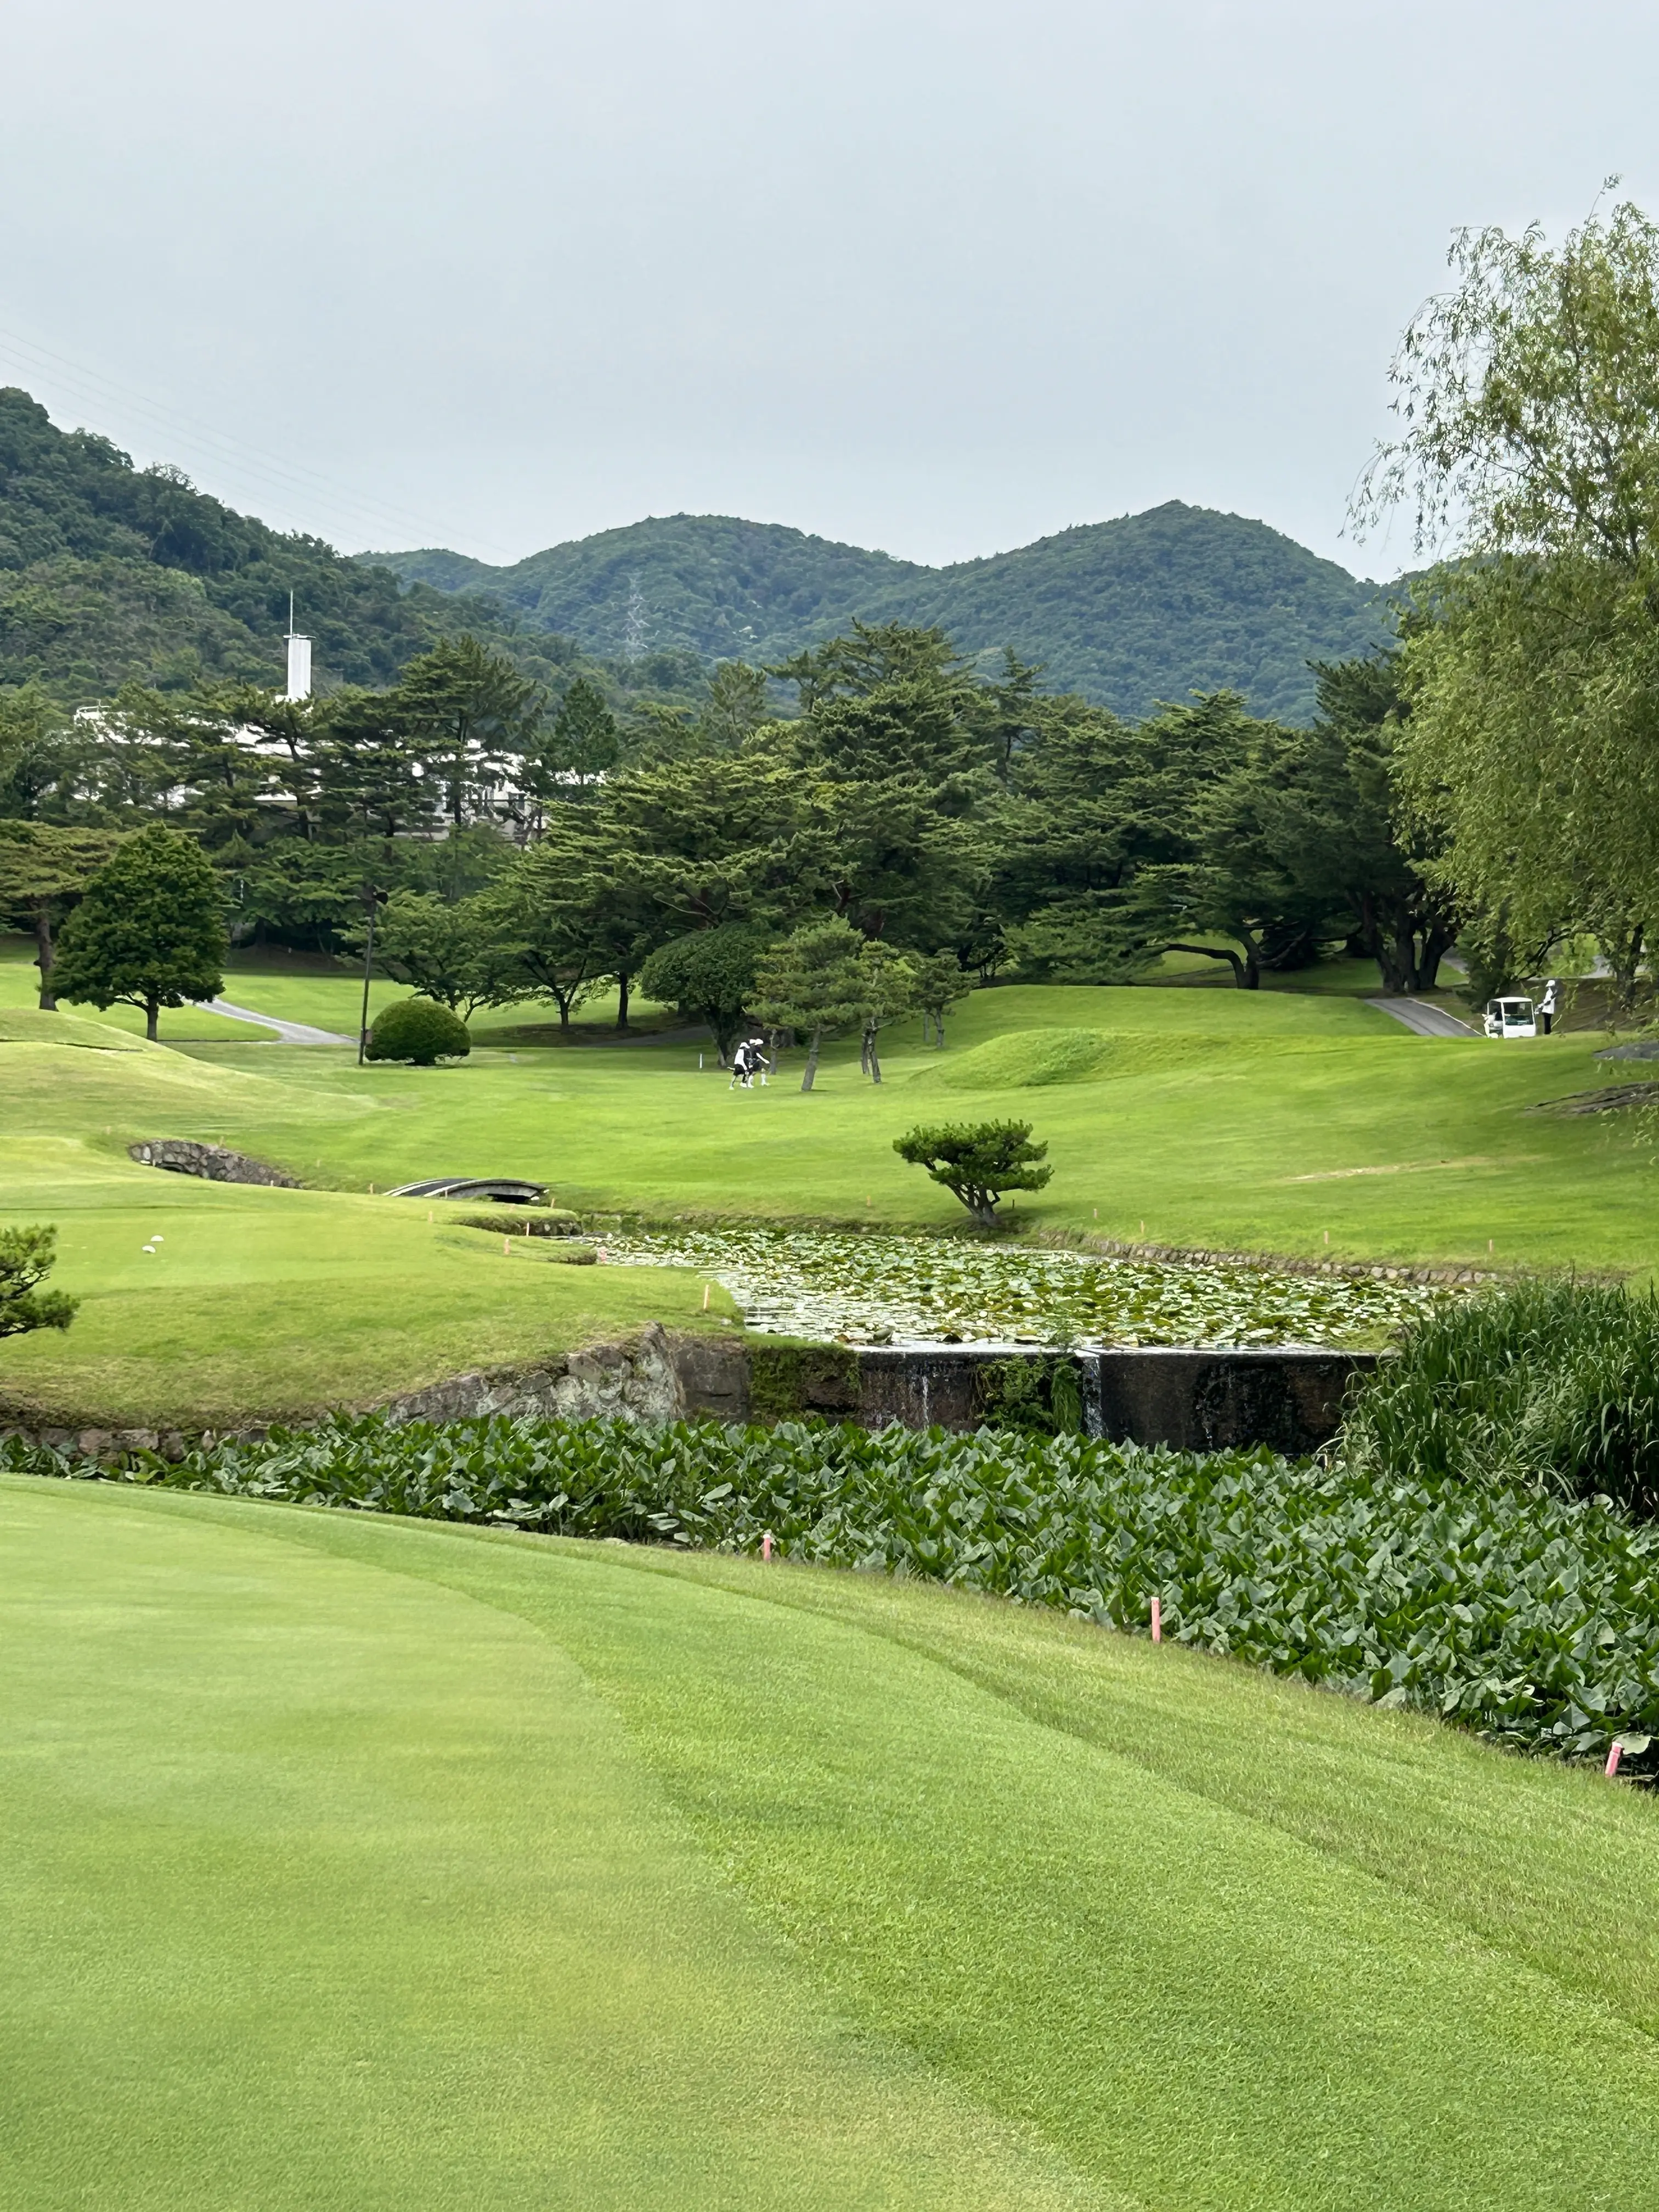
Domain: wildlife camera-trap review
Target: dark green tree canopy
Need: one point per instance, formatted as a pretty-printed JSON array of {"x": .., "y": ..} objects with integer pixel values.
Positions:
[
  {"x": 708, "y": 974},
  {"x": 978, "y": 1162},
  {"x": 27, "y": 1258},
  {"x": 584, "y": 742},
  {"x": 446, "y": 950},
  {"x": 149, "y": 930}
]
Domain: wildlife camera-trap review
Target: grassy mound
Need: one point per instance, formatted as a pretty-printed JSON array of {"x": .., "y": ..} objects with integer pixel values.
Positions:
[
  {"x": 367, "y": 1863},
  {"x": 1028, "y": 1060}
]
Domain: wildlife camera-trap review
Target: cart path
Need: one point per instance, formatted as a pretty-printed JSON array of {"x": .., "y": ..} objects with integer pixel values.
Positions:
[
  {"x": 286, "y": 1032},
  {"x": 1425, "y": 1020}
]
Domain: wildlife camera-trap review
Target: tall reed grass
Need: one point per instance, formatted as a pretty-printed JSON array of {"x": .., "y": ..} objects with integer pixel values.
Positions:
[{"x": 1554, "y": 1383}]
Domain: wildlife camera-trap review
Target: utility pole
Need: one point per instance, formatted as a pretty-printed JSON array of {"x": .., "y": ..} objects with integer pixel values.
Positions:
[{"x": 372, "y": 899}]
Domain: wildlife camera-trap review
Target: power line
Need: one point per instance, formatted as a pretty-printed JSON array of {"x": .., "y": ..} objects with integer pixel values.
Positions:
[{"x": 289, "y": 479}]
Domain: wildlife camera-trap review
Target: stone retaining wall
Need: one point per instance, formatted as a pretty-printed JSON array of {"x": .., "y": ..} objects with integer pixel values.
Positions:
[
  {"x": 212, "y": 1162},
  {"x": 1195, "y": 1400}
]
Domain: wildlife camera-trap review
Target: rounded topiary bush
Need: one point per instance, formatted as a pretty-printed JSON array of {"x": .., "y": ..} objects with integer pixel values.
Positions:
[{"x": 418, "y": 1030}]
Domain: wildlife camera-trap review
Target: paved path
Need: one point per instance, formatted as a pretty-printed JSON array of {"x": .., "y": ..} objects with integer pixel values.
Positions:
[
  {"x": 286, "y": 1032},
  {"x": 1426, "y": 1020}
]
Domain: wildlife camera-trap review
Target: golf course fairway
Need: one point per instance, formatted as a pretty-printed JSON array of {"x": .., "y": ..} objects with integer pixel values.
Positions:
[{"x": 350, "y": 1862}]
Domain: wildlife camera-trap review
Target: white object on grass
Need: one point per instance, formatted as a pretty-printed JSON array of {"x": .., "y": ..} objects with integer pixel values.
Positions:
[{"x": 1512, "y": 1018}]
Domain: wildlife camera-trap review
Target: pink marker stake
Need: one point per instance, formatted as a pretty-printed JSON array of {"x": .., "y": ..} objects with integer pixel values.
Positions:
[
  {"x": 1157, "y": 1620},
  {"x": 1614, "y": 1757},
  {"x": 766, "y": 1544}
]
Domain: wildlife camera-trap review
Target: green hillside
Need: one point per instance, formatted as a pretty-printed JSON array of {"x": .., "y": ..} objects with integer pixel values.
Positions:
[
  {"x": 1151, "y": 606},
  {"x": 110, "y": 574}
]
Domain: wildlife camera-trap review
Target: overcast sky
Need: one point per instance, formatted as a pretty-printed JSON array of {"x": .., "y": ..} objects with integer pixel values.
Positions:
[{"x": 935, "y": 276}]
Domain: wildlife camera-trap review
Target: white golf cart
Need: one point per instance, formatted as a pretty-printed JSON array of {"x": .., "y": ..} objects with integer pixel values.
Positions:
[{"x": 1512, "y": 1018}]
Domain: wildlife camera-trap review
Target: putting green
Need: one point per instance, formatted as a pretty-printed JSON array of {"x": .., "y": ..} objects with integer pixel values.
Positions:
[{"x": 357, "y": 1863}]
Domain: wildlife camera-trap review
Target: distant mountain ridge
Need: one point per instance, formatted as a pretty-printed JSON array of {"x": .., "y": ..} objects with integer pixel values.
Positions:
[{"x": 1150, "y": 606}]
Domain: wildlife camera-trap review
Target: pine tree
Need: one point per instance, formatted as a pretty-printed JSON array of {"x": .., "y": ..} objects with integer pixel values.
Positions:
[
  {"x": 814, "y": 981},
  {"x": 149, "y": 931}
]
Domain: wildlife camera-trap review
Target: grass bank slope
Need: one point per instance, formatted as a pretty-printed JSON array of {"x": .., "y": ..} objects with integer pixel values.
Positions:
[
  {"x": 252, "y": 1304},
  {"x": 356, "y": 1864}
]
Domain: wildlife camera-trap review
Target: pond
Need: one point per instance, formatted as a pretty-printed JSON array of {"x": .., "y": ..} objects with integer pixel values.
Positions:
[{"x": 884, "y": 1288}]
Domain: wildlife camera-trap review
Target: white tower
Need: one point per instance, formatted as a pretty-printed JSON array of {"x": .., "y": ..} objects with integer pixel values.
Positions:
[{"x": 299, "y": 660}]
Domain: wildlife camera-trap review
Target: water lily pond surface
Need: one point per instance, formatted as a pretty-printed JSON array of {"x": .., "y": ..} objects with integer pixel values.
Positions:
[{"x": 881, "y": 1288}]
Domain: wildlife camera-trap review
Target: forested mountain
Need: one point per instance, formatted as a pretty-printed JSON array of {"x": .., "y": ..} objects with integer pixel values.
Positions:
[
  {"x": 110, "y": 574},
  {"x": 1152, "y": 606}
]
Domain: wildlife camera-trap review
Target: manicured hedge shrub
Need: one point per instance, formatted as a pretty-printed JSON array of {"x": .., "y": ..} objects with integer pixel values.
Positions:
[{"x": 418, "y": 1030}]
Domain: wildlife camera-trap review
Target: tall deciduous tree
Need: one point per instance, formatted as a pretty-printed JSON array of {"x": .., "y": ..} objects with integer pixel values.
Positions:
[
  {"x": 1529, "y": 396},
  {"x": 149, "y": 931},
  {"x": 708, "y": 974}
]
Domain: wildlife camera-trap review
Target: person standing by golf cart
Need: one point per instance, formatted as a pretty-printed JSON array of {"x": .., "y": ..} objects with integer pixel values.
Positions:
[{"x": 1549, "y": 1005}]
